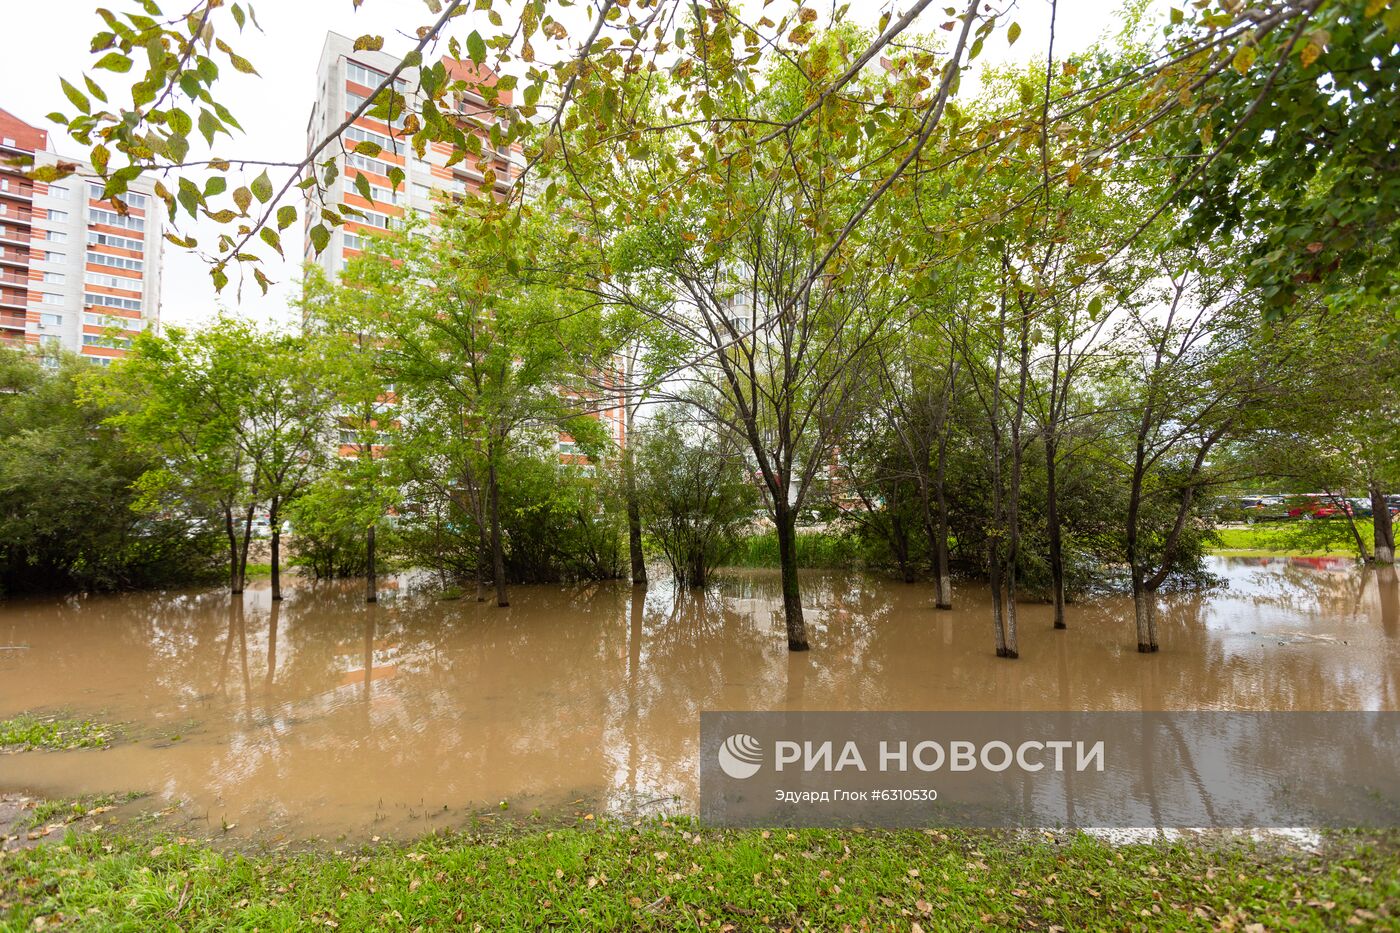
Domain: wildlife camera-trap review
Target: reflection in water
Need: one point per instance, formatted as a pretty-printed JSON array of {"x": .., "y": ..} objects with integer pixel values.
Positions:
[{"x": 391, "y": 712}]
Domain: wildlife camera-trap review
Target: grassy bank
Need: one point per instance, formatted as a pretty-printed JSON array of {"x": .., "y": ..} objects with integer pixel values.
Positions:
[
  {"x": 816, "y": 550},
  {"x": 664, "y": 877},
  {"x": 1329, "y": 538},
  {"x": 29, "y": 731}
]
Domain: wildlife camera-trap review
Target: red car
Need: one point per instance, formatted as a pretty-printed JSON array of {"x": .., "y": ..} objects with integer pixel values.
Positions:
[{"x": 1315, "y": 508}]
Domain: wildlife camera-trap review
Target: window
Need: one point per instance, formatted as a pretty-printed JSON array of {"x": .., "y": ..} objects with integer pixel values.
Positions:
[
  {"x": 567, "y": 447},
  {"x": 111, "y": 239},
  {"x": 111, "y": 320},
  {"x": 105, "y": 340},
  {"x": 99, "y": 360},
  {"x": 49, "y": 298},
  {"x": 58, "y": 215},
  {"x": 372, "y": 219},
  {"x": 50, "y": 341},
  {"x": 116, "y": 262},
  {"x": 47, "y": 319},
  {"x": 353, "y": 102},
  {"x": 111, "y": 301},
  {"x": 52, "y": 256},
  {"x": 369, "y": 77},
  {"x": 354, "y": 242},
  {"x": 131, "y": 198},
  {"x": 56, "y": 236},
  {"x": 422, "y": 191},
  {"x": 354, "y": 160},
  {"x": 53, "y": 278},
  {"x": 113, "y": 219},
  {"x": 58, "y": 193},
  {"x": 358, "y": 134},
  {"x": 113, "y": 281}
]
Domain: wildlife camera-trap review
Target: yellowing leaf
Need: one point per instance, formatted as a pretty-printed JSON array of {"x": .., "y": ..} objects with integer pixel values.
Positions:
[{"x": 1244, "y": 58}]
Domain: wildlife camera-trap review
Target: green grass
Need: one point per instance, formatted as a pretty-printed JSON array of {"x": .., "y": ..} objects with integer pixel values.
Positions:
[
  {"x": 815, "y": 550},
  {"x": 28, "y": 731},
  {"x": 678, "y": 877},
  {"x": 69, "y": 810},
  {"x": 1326, "y": 538}
]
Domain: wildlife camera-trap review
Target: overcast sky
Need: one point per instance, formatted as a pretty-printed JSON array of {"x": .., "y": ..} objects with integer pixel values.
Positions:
[{"x": 50, "y": 38}]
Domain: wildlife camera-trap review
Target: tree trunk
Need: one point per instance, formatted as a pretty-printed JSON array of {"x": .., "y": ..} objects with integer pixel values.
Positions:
[
  {"x": 1383, "y": 528},
  {"x": 634, "y": 515},
  {"x": 498, "y": 556},
  {"x": 1144, "y": 612},
  {"x": 792, "y": 597},
  {"x": 1052, "y": 522},
  {"x": 1341, "y": 503},
  {"x": 276, "y": 527},
  {"x": 371, "y": 579},
  {"x": 994, "y": 582},
  {"x": 233, "y": 578},
  {"x": 242, "y": 569},
  {"x": 899, "y": 543},
  {"x": 1013, "y": 644}
]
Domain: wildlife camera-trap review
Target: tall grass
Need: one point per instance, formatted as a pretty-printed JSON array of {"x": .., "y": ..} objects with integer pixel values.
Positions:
[{"x": 818, "y": 550}]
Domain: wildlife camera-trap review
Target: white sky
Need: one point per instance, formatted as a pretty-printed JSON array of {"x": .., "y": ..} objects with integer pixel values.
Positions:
[{"x": 49, "y": 39}]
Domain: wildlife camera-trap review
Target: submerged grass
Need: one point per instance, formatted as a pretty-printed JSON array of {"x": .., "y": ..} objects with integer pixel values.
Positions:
[
  {"x": 666, "y": 876},
  {"x": 29, "y": 731}
]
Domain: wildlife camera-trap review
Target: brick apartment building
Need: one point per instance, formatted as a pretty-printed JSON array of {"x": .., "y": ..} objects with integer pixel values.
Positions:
[
  {"x": 75, "y": 274},
  {"x": 345, "y": 77}
]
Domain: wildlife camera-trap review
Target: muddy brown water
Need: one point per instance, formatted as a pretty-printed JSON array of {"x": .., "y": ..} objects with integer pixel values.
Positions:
[{"x": 322, "y": 716}]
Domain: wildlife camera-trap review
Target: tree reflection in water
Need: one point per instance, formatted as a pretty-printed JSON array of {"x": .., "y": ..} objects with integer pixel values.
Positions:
[{"x": 391, "y": 712}]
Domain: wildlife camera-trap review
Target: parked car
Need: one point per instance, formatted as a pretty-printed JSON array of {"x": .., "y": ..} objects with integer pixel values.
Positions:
[
  {"x": 1251, "y": 509},
  {"x": 1317, "y": 507}
]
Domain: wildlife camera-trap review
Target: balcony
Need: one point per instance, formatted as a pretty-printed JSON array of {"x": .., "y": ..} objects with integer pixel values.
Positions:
[
  {"x": 11, "y": 278},
  {"x": 23, "y": 195},
  {"x": 11, "y": 258}
]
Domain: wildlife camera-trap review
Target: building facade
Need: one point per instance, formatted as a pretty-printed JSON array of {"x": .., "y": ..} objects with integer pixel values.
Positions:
[
  {"x": 345, "y": 78},
  {"x": 75, "y": 273}
]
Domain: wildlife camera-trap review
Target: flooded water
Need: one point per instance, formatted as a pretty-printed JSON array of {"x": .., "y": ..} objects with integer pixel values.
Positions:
[{"x": 324, "y": 716}]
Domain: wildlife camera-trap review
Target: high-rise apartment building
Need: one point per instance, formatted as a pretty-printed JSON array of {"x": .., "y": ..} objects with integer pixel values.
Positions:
[
  {"x": 345, "y": 77},
  {"x": 75, "y": 274}
]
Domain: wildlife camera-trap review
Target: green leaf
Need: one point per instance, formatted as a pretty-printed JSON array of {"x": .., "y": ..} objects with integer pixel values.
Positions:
[
  {"x": 369, "y": 43},
  {"x": 262, "y": 187},
  {"x": 77, "y": 97},
  {"x": 271, "y": 238},
  {"x": 476, "y": 48},
  {"x": 320, "y": 237},
  {"x": 368, "y": 148},
  {"x": 243, "y": 198},
  {"x": 208, "y": 125},
  {"x": 216, "y": 185},
  {"x": 1013, "y": 33},
  {"x": 114, "y": 61},
  {"x": 286, "y": 216}
]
